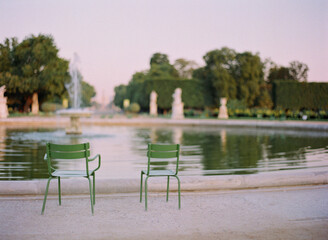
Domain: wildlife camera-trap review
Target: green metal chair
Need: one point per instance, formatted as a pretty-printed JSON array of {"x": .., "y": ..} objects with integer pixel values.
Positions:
[
  {"x": 154, "y": 153},
  {"x": 70, "y": 152}
]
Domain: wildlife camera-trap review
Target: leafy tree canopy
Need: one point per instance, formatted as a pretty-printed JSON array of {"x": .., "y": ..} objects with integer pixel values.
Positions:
[
  {"x": 33, "y": 66},
  {"x": 159, "y": 59},
  {"x": 185, "y": 68},
  {"x": 160, "y": 67},
  {"x": 88, "y": 92},
  {"x": 297, "y": 71}
]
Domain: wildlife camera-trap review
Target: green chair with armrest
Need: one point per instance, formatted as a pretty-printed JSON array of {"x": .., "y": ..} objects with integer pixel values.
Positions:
[{"x": 75, "y": 152}]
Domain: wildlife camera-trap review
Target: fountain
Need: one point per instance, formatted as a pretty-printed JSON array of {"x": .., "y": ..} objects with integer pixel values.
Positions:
[{"x": 74, "y": 91}]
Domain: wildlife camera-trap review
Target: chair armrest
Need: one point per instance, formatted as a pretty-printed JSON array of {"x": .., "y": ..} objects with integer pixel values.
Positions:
[{"x": 99, "y": 161}]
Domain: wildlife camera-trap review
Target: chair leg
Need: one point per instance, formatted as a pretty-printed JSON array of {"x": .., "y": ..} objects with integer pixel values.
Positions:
[
  {"x": 45, "y": 196},
  {"x": 179, "y": 192},
  {"x": 167, "y": 190},
  {"x": 90, "y": 188},
  {"x": 146, "y": 190},
  {"x": 59, "y": 191},
  {"x": 141, "y": 185},
  {"x": 94, "y": 188}
]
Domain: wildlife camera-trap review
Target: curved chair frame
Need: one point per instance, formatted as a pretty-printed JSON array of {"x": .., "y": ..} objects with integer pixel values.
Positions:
[
  {"x": 76, "y": 151},
  {"x": 161, "y": 151}
]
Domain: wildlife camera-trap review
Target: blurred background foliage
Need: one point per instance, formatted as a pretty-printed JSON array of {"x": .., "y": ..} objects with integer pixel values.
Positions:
[
  {"x": 254, "y": 87},
  {"x": 34, "y": 67}
]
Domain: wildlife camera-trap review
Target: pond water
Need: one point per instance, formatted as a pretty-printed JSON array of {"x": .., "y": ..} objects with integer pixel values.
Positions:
[{"x": 204, "y": 150}]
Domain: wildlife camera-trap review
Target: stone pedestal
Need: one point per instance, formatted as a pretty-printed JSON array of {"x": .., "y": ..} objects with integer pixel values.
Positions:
[
  {"x": 223, "y": 113},
  {"x": 153, "y": 104},
  {"x": 3, "y": 103},
  {"x": 75, "y": 127},
  {"x": 75, "y": 115},
  {"x": 177, "y": 106}
]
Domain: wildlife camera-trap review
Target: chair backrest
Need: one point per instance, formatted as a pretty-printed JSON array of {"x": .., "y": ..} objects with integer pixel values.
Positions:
[
  {"x": 158, "y": 151},
  {"x": 67, "y": 152}
]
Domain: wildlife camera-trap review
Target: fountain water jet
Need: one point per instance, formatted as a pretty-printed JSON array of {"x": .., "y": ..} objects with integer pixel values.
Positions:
[{"x": 74, "y": 91}]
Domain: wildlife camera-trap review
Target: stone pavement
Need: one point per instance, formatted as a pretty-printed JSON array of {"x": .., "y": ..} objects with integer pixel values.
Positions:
[{"x": 266, "y": 213}]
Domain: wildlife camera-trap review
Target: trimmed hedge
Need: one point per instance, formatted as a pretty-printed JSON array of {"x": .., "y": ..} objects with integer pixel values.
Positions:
[
  {"x": 51, "y": 107},
  {"x": 192, "y": 93},
  {"x": 300, "y": 95}
]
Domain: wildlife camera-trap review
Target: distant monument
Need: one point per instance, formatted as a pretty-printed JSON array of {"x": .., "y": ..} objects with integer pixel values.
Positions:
[
  {"x": 177, "y": 106},
  {"x": 223, "y": 113},
  {"x": 153, "y": 104},
  {"x": 35, "y": 104},
  {"x": 3, "y": 103}
]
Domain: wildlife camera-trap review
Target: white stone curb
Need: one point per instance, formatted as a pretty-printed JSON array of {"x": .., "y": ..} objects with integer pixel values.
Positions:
[{"x": 188, "y": 183}]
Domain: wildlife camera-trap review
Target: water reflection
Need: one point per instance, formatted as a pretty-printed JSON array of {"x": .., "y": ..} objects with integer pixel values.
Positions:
[{"x": 205, "y": 150}]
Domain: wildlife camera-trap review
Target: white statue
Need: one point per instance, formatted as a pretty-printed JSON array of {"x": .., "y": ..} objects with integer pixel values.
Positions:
[
  {"x": 2, "y": 91},
  {"x": 223, "y": 113},
  {"x": 3, "y": 103},
  {"x": 177, "y": 96},
  {"x": 35, "y": 104},
  {"x": 153, "y": 104},
  {"x": 177, "y": 106}
]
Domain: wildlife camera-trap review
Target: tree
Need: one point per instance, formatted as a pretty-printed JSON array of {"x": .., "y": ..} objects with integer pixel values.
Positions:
[
  {"x": 217, "y": 73},
  {"x": 185, "y": 68},
  {"x": 248, "y": 74},
  {"x": 35, "y": 68},
  {"x": 88, "y": 92},
  {"x": 279, "y": 73},
  {"x": 298, "y": 71},
  {"x": 159, "y": 59},
  {"x": 160, "y": 67},
  {"x": 231, "y": 75},
  {"x": 264, "y": 99},
  {"x": 135, "y": 90},
  {"x": 120, "y": 95},
  {"x": 6, "y": 56}
]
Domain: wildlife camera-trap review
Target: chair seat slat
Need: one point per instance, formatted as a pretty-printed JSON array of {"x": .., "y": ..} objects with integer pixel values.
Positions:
[{"x": 70, "y": 173}]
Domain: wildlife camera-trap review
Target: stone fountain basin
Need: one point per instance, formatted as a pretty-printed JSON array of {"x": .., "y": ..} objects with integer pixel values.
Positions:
[
  {"x": 74, "y": 112},
  {"x": 75, "y": 115}
]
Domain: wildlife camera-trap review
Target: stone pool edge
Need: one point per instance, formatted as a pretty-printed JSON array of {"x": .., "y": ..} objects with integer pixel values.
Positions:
[
  {"x": 147, "y": 121},
  {"x": 188, "y": 183}
]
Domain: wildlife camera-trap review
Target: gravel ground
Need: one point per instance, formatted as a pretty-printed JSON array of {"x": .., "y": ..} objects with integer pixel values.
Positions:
[{"x": 269, "y": 213}]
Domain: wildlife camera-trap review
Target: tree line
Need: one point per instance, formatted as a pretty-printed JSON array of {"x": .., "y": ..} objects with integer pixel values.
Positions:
[
  {"x": 34, "y": 67},
  {"x": 244, "y": 78}
]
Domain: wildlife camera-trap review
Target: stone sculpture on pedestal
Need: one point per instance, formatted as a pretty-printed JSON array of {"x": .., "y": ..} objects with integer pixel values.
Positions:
[
  {"x": 153, "y": 104},
  {"x": 3, "y": 103},
  {"x": 177, "y": 106},
  {"x": 223, "y": 113},
  {"x": 35, "y": 104}
]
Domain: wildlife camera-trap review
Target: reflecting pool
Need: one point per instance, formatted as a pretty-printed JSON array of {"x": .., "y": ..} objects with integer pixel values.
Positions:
[{"x": 204, "y": 150}]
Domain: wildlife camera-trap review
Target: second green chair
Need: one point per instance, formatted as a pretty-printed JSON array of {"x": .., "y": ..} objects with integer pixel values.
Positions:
[{"x": 158, "y": 152}]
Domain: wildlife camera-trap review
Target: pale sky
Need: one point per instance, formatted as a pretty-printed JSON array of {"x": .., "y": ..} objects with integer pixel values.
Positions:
[{"x": 114, "y": 39}]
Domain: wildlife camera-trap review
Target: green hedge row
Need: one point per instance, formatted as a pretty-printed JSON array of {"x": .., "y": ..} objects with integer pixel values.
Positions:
[
  {"x": 295, "y": 95},
  {"x": 192, "y": 93}
]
